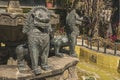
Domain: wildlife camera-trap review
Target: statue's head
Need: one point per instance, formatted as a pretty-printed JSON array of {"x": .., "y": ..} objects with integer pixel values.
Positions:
[
  {"x": 80, "y": 9},
  {"x": 37, "y": 17},
  {"x": 40, "y": 15}
]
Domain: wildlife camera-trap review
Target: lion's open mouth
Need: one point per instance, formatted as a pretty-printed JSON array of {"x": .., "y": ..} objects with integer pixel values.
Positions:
[
  {"x": 42, "y": 20},
  {"x": 41, "y": 24}
]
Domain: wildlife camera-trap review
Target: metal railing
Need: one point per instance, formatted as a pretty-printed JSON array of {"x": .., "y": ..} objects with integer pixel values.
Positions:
[{"x": 104, "y": 48}]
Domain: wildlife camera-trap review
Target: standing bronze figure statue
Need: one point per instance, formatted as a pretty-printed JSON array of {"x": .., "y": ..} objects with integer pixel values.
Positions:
[
  {"x": 74, "y": 18},
  {"x": 37, "y": 27}
]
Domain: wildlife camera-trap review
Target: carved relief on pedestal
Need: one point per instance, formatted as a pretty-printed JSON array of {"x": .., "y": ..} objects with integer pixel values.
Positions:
[
  {"x": 20, "y": 20},
  {"x": 14, "y": 6},
  {"x": 6, "y": 20},
  {"x": 11, "y": 20}
]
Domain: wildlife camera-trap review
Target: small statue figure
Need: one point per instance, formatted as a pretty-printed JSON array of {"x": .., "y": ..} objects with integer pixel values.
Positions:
[
  {"x": 37, "y": 27},
  {"x": 74, "y": 18},
  {"x": 58, "y": 42}
]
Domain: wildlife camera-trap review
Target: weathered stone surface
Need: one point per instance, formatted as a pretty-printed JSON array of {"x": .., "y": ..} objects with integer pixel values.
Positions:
[
  {"x": 8, "y": 72},
  {"x": 68, "y": 74},
  {"x": 8, "y": 19},
  {"x": 61, "y": 69},
  {"x": 14, "y": 6}
]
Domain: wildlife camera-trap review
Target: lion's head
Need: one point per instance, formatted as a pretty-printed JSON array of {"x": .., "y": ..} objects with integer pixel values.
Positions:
[
  {"x": 41, "y": 16},
  {"x": 38, "y": 17}
]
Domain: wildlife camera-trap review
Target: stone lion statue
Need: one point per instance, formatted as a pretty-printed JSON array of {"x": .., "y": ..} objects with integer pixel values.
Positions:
[
  {"x": 58, "y": 42},
  {"x": 37, "y": 28}
]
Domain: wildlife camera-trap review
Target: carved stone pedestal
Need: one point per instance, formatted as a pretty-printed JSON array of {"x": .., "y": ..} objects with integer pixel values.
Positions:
[
  {"x": 14, "y": 6},
  {"x": 61, "y": 69}
]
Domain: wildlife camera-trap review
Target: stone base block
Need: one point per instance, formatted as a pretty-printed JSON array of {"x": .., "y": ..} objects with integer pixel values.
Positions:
[{"x": 61, "y": 69}]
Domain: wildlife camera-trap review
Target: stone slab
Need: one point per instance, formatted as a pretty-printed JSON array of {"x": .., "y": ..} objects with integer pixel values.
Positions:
[{"x": 58, "y": 66}]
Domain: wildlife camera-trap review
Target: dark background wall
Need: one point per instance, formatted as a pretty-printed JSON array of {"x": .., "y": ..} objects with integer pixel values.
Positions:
[{"x": 115, "y": 17}]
